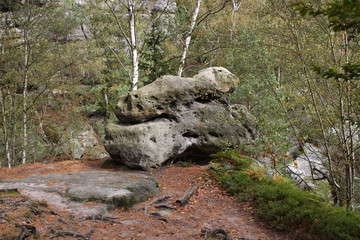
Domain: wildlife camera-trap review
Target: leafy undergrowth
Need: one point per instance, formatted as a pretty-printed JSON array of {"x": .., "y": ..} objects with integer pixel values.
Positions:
[{"x": 280, "y": 203}]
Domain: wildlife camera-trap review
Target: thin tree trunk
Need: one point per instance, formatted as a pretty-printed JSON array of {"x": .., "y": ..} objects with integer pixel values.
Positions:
[
  {"x": 41, "y": 128},
  {"x": 14, "y": 129},
  {"x": 278, "y": 78},
  {"x": 348, "y": 139},
  {"x": 6, "y": 137},
  {"x": 5, "y": 126},
  {"x": 236, "y": 5},
  {"x": 188, "y": 38},
  {"x": 336, "y": 192},
  {"x": 134, "y": 51},
  {"x": 107, "y": 105},
  {"x": 25, "y": 83},
  {"x": 70, "y": 64},
  {"x": 106, "y": 43}
]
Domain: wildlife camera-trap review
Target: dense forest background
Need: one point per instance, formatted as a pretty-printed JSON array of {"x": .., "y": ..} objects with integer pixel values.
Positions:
[{"x": 63, "y": 63}]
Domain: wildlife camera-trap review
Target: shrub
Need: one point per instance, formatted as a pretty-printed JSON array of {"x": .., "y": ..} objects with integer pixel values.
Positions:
[{"x": 280, "y": 203}]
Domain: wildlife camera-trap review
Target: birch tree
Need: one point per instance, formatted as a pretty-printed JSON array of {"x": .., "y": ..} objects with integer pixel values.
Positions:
[
  {"x": 25, "y": 86},
  {"x": 29, "y": 15},
  {"x": 4, "y": 119},
  {"x": 236, "y": 5},
  {"x": 204, "y": 45},
  {"x": 188, "y": 38},
  {"x": 25, "y": 70},
  {"x": 133, "y": 45},
  {"x": 5, "y": 129},
  {"x": 130, "y": 6}
]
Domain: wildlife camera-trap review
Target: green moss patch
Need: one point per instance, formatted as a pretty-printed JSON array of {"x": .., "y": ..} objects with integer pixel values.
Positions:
[{"x": 280, "y": 203}]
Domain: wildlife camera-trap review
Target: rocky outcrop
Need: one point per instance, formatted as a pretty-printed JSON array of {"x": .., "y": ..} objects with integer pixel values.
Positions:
[
  {"x": 309, "y": 161},
  {"x": 176, "y": 117},
  {"x": 163, "y": 5},
  {"x": 81, "y": 143},
  {"x": 69, "y": 190}
]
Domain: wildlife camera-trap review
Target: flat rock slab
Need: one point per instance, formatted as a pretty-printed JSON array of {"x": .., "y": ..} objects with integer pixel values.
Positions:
[{"x": 70, "y": 191}]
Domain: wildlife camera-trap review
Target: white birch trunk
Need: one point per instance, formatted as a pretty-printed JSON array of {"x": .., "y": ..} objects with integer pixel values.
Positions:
[
  {"x": 25, "y": 83},
  {"x": 6, "y": 137},
  {"x": 236, "y": 6},
  {"x": 107, "y": 105},
  {"x": 14, "y": 102},
  {"x": 133, "y": 47},
  {"x": 278, "y": 78},
  {"x": 188, "y": 38}
]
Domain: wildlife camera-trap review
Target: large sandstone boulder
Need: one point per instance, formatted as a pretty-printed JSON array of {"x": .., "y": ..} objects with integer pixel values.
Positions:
[
  {"x": 169, "y": 95},
  {"x": 176, "y": 117}
]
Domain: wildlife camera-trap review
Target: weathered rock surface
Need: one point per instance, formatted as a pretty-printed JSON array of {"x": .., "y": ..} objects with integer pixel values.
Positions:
[
  {"x": 66, "y": 190},
  {"x": 79, "y": 143},
  {"x": 307, "y": 159},
  {"x": 310, "y": 160},
  {"x": 169, "y": 95},
  {"x": 174, "y": 117}
]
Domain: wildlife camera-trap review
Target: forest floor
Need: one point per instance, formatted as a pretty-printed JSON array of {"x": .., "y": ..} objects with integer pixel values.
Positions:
[{"x": 209, "y": 208}]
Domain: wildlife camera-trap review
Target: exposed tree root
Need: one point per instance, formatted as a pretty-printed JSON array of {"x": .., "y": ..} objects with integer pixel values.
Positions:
[
  {"x": 164, "y": 206},
  {"x": 102, "y": 218},
  {"x": 158, "y": 216},
  {"x": 218, "y": 233},
  {"x": 27, "y": 230},
  {"x": 158, "y": 200},
  {"x": 72, "y": 234},
  {"x": 187, "y": 195}
]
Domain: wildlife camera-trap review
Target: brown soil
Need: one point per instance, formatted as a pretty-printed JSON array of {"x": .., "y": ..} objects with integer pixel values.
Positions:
[{"x": 209, "y": 208}]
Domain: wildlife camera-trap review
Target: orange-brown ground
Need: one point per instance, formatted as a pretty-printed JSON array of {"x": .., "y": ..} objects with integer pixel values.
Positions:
[{"x": 209, "y": 208}]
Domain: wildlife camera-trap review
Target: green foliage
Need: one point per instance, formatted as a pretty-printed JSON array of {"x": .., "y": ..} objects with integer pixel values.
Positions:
[
  {"x": 335, "y": 81},
  {"x": 10, "y": 192},
  {"x": 235, "y": 182},
  {"x": 153, "y": 57},
  {"x": 347, "y": 72},
  {"x": 22, "y": 38},
  {"x": 342, "y": 15},
  {"x": 52, "y": 131},
  {"x": 285, "y": 206},
  {"x": 94, "y": 103},
  {"x": 239, "y": 161},
  {"x": 260, "y": 89},
  {"x": 65, "y": 18},
  {"x": 281, "y": 204},
  {"x": 8, "y": 5},
  {"x": 108, "y": 46}
]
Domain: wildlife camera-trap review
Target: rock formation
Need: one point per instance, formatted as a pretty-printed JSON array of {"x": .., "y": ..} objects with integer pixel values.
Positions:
[
  {"x": 81, "y": 143},
  {"x": 70, "y": 190},
  {"x": 176, "y": 117}
]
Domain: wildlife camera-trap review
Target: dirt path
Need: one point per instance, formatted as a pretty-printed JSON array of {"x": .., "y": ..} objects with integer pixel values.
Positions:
[{"x": 208, "y": 209}]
